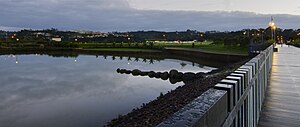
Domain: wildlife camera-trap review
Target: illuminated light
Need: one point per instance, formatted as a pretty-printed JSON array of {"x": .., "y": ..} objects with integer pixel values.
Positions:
[
  {"x": 258, "y": 34},
  {"x": 129, "y": 38},
  {"x": 201, "y": 35},
  {"x": 75, "y": 60},
  {"x": 17, "y": 62},
  {"x": 18, "y": 39},
  {"x": 12, "y": 36},
  {"x": 128, "y": 63},
  {"x": 245, "y": 33},
  {"x": 271, "y": 24}
]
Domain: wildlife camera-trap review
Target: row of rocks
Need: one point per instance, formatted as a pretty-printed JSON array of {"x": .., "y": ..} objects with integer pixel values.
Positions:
[{"x": 174, "y": 76}]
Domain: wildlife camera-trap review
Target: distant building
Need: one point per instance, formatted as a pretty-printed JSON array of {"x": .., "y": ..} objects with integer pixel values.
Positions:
[{"x": 56, "y": 39}]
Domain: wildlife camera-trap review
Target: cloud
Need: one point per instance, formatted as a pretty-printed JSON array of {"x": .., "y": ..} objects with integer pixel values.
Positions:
[
  {"x": 11, "y": 28},
  {"x": 117, "y": 15}
]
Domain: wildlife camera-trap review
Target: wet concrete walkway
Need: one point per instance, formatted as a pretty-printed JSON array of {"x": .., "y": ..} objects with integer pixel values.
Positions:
[{"x": 282, "y": 102}]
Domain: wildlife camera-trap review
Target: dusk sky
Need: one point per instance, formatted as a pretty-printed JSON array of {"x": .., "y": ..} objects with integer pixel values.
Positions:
[{"x": 163, "y": 15}]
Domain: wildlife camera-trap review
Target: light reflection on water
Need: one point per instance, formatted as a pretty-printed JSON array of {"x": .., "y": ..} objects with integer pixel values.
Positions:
[{"x": 43, "y": 91}]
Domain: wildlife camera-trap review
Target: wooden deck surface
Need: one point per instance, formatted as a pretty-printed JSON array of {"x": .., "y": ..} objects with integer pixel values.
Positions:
[{"x": 282, "y": 103}]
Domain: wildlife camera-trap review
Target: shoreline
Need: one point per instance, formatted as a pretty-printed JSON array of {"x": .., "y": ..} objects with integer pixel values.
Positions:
[{"x": 164, "y": 106}]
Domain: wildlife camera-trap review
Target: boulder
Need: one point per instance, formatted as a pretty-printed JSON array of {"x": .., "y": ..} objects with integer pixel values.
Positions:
[
  {"x": 174, "y": 80},
  {"x": 127, "y": 72},
  {"x": 122, "y": 71},
  {"x": 157, "y": 75},
  {"x": 172, "y": 73},
  {"x": 200, "y": 75},
  {"x": 144, "y": 73},
  {"x": 136, "y": 72},
  {"x": 151, "y": 74},
  {"x": 188, "y": 76},
  {"x": 164, "y": 76},
  {"x": 178, "y": 76}
]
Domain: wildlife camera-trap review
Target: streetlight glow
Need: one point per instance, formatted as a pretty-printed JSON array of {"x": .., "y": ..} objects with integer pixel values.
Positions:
[{"x": 273, "y": 28}]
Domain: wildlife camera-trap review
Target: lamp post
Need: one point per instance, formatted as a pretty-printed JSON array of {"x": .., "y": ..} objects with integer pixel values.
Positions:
[
  {"x": 273, "y": 29},
  {"x": 274, "y": 32},
  {"x": 262, "y": 36}
]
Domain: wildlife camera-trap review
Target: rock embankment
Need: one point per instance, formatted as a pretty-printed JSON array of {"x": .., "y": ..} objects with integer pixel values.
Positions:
[{"x": 164, "y": 106}]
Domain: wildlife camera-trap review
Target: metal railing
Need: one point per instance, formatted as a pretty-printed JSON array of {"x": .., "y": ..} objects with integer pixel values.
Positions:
[{"x": 235, "y": 102}]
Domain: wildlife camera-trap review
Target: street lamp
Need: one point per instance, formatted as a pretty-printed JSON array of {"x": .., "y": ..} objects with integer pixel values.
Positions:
[
  {"x": 274, "y": 32},
  {"x": 273, "y": 28},
  {"x": 262, "y": 36}
]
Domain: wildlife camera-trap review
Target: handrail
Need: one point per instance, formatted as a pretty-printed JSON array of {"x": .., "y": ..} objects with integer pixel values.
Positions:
[{"x": 241, "y": 103}]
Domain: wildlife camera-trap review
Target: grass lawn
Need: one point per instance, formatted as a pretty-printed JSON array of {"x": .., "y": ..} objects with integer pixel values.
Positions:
[
  {"x": 175, "y": 45},
  {"x": 224, "y": 50},
  {"x": 218, "y": 49}
]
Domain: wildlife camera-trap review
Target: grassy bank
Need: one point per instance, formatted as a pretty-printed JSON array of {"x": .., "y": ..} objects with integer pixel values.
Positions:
[
  {"x": 216, "y": 49},
  {"x": 224, "y": 50},
  {"x": 134, "y": 47},
  {"x": 142, "y": 47}
]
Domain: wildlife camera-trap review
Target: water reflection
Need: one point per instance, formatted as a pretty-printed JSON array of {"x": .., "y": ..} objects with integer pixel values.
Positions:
[
  {"x": 129, "y": 59},
  {"x": 76, "y": 91}
]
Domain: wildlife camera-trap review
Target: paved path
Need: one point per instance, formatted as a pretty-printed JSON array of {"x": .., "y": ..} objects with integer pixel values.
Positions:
[{"x": 282, "y": 102}]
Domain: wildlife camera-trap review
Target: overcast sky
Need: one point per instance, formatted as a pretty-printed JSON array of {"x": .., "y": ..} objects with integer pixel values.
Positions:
[
  {"x": 258, "y": 6},
  {"x": 132, "y": 15}
]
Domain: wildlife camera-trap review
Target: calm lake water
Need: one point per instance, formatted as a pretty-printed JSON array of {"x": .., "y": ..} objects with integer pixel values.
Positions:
[{"x": 44, "y": 91}]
